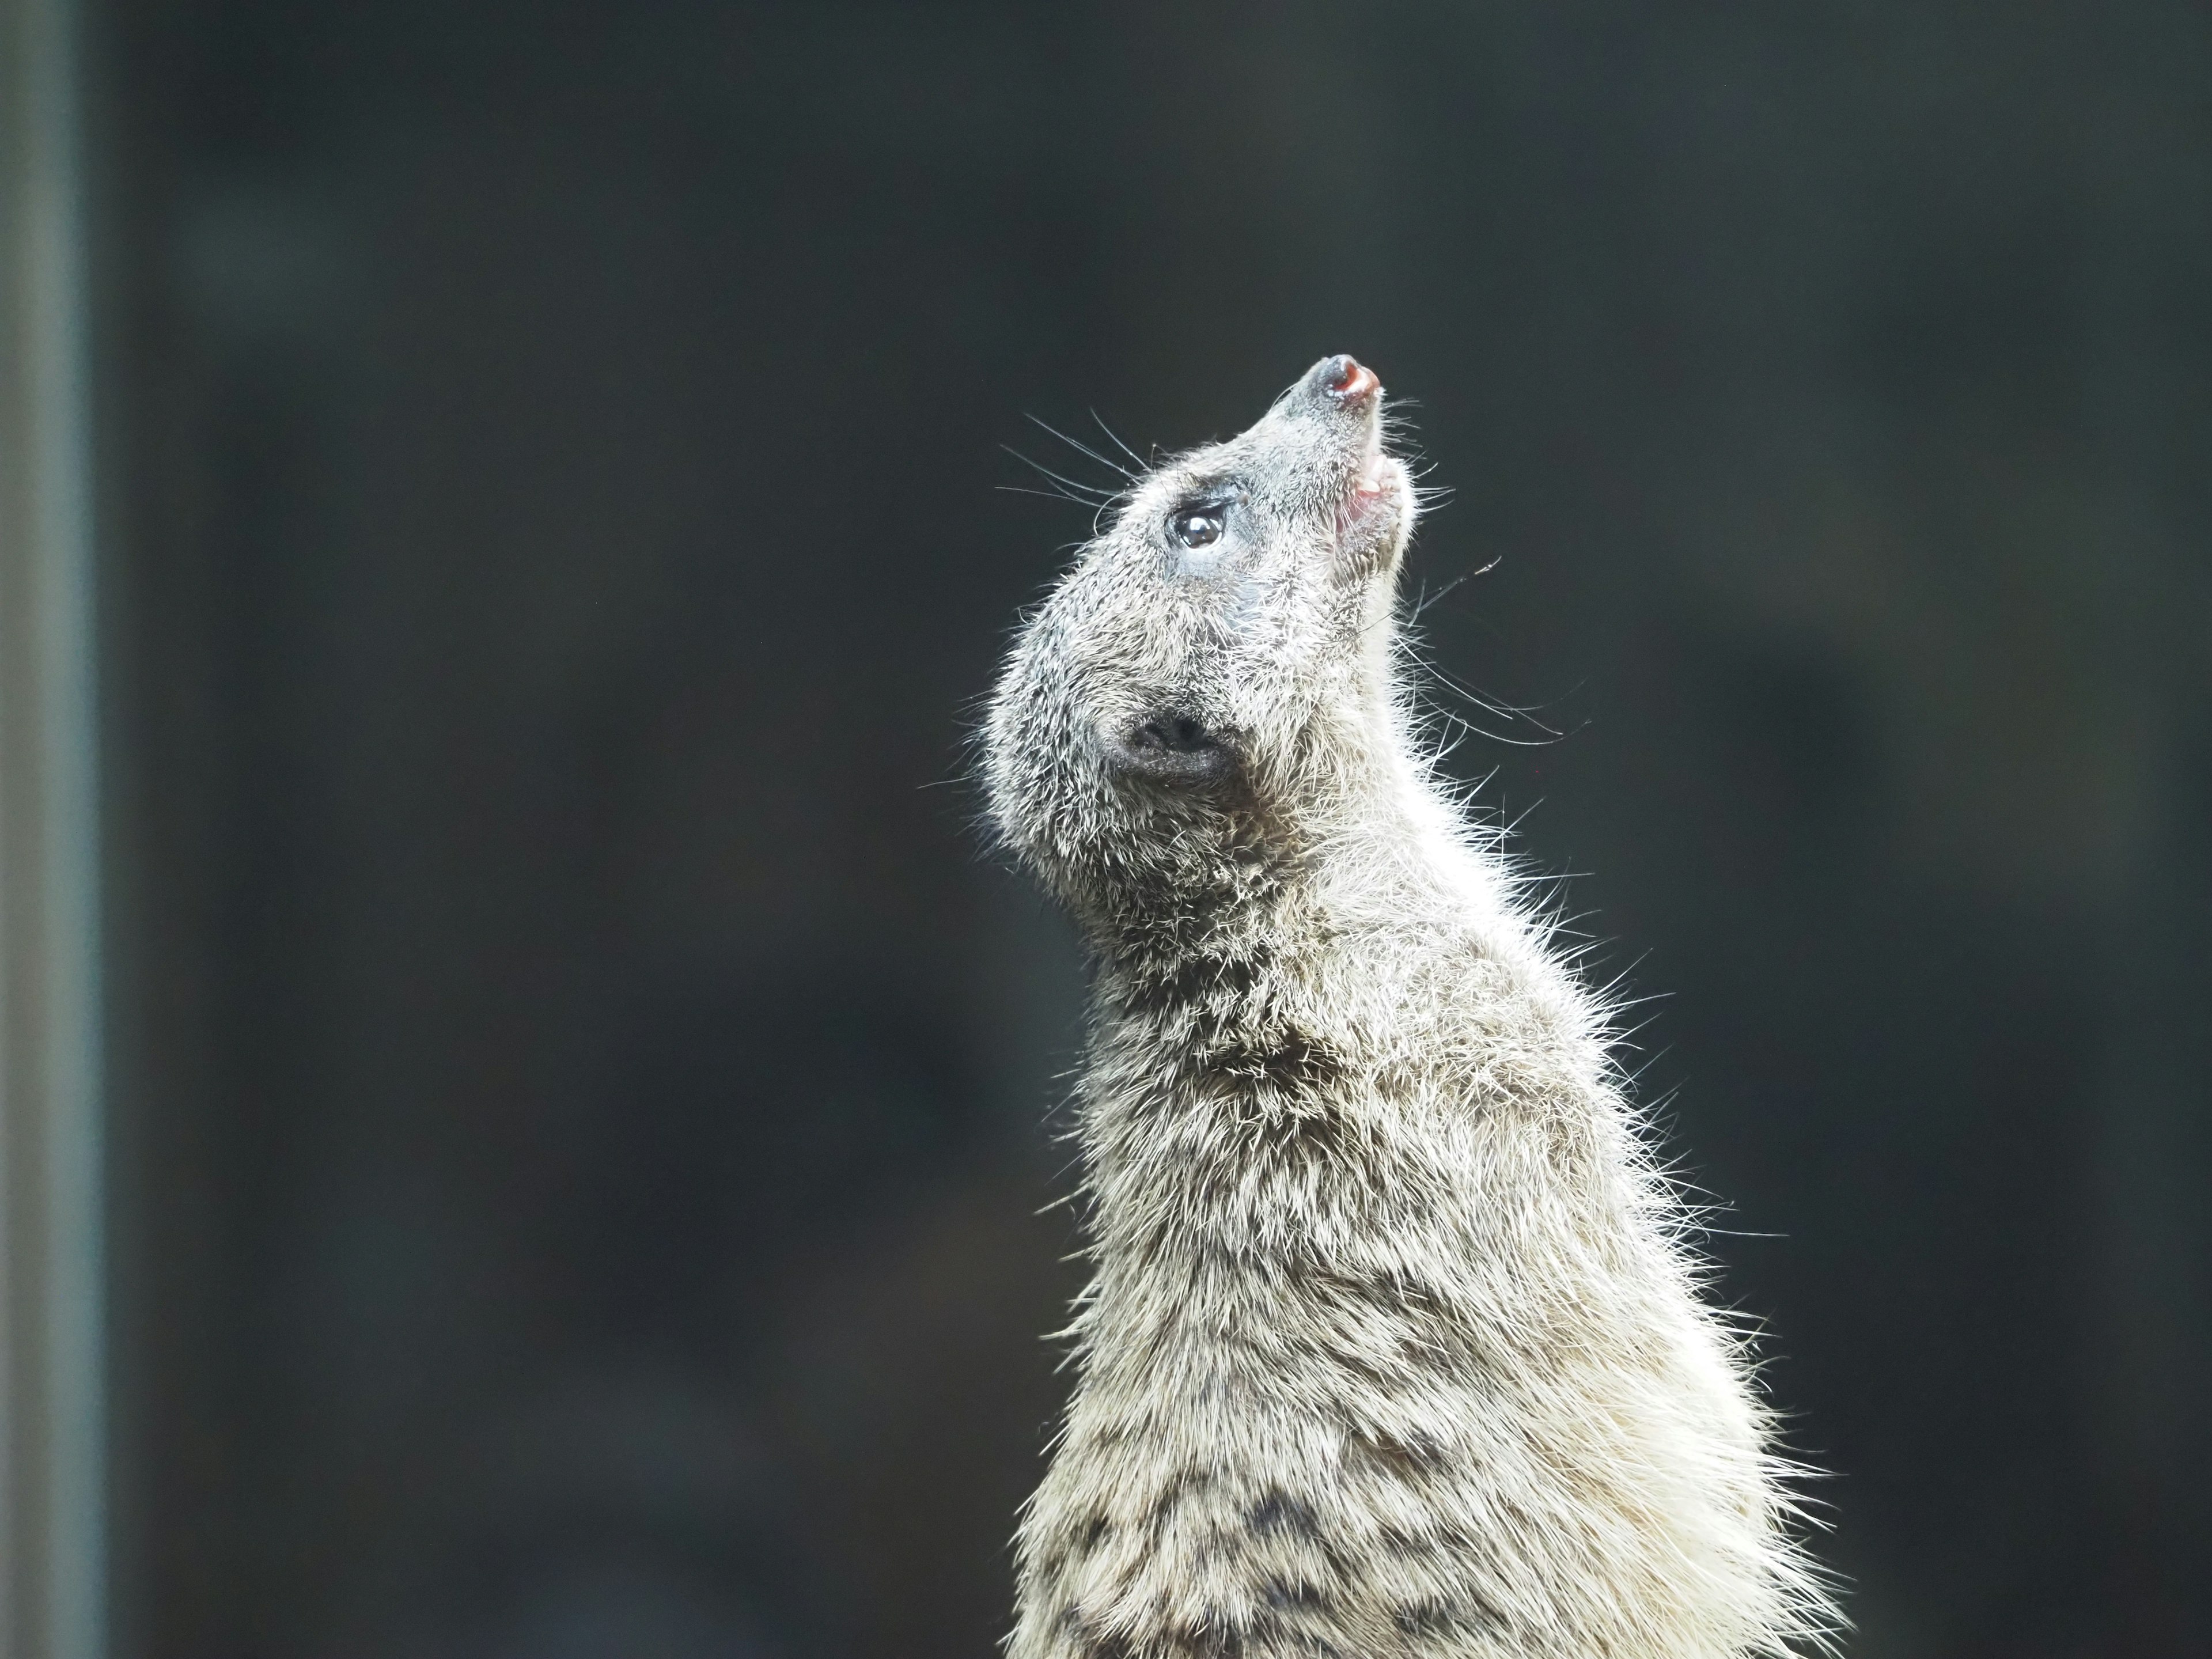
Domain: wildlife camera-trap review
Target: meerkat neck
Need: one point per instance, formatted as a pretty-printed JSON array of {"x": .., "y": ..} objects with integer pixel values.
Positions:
[{"x": 1262, "y": 889}]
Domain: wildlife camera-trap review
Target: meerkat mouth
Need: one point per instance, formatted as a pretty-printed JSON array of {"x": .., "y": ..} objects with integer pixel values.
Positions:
[
  {"x": 1376, "y": 486},
  {"x": 1378, "y": 473}
]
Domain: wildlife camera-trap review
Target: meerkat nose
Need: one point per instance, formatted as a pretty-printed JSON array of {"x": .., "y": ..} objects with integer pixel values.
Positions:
[{"x": 1347, "y": 380}]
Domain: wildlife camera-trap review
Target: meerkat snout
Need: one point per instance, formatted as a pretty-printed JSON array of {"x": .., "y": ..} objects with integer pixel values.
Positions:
[{"x": 1347, "y": 380}]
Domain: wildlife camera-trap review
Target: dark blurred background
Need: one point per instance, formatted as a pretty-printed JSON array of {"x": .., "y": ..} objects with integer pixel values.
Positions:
[{"x": 580, "y": 1091}]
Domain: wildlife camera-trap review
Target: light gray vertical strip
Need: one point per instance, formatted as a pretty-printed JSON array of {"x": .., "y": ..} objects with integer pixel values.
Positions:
[{"x": 53, "y": 1488}]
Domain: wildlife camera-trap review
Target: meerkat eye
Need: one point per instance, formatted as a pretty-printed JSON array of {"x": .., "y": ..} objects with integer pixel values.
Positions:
[{"x": 1199, "y": 526}]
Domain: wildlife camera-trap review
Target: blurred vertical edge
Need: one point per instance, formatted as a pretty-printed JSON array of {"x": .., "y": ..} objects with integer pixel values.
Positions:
[{"x": 52, "y": 1555}]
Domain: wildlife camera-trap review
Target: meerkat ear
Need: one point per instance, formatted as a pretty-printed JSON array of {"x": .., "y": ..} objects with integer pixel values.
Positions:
[{"x": 1171, "y": 746}]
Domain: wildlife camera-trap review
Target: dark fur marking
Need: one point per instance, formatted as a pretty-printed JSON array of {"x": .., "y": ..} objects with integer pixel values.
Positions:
[
  {"x": 1215, "y": 1638},
  {"x": 1426, "y": 1618},
  {"x": 1278, "y": 1639},
  {"x": 1393, "y": 1295},
  {"x": 1426, "y": 1356},
  {"x": 1184, "y": 981},
  {"x": 1088, "y": 1645},
  {"x": 1173, "y": 749},
  {"x": 1404, "y": 1546},
  {"x": 1292, "y": 1062},
  {"x": 1300, "y": 1597},
  {"x": 1096, "y": 1527},
  {"x": 1277, "y": 1512},
  {"x": 1305, "y": 1137},
  {"x": 1404, "y": 1458},
  {"x": 1164, "y": 1506},
  {"x": 1440, "y": 1618}
]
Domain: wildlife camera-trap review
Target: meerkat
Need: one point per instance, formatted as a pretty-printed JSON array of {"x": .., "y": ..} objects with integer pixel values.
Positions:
[{"x": 1395, "y": 1344}]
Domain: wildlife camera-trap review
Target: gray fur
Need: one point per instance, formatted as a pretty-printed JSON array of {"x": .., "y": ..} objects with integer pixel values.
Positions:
[{"x": 1395, "y": 1346}]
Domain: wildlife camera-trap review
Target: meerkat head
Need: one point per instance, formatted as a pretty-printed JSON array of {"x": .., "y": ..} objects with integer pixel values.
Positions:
[{"x": 1217, "y": 659}]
